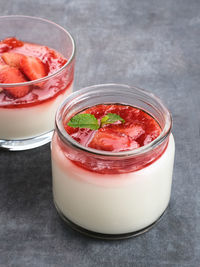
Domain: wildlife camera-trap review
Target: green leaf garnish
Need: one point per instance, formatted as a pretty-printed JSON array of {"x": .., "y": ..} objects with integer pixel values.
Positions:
[
  {"x": 89, "y": 121},
  {"x": 111, "y": 118},
  {"x": 84, "y": 121}
]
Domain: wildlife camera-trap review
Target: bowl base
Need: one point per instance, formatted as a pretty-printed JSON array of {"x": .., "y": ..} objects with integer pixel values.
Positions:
[
  {"x": 25, "y": 144},
  {"x": 104, "y": 236}
]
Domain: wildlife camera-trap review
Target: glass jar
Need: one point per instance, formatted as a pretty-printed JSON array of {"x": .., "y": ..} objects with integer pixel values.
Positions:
[
  {"x": 28, "y": 122},
  {"x": 105, "y": 194}
]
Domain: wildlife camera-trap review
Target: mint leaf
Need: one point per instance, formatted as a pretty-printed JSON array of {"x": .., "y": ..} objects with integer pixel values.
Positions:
[
  {"x": 84, "y": 121},
  {"x": 111, "y": 118}
]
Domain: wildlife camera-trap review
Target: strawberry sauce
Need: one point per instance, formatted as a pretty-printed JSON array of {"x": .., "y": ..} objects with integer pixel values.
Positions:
[
  {"x": 33, "y": 61},
  {"x": 139, "y": 129}
]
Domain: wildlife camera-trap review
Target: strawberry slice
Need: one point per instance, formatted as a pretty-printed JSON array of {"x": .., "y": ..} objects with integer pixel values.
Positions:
[
  {"x": 12, "y": 59},
  {"x": 109, "y": 140},
  {"x": 133, "y": 130},
  {"x": 33, "y": 67},
  {"x": 13, "y": 75}
]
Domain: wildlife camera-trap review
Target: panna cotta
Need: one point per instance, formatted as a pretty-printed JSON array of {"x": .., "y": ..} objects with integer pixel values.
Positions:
[
  {"x": 34, "y": 80},
  {"x": 112, "y": 161}
]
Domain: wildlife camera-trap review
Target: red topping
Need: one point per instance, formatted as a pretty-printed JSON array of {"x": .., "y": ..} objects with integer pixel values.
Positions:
[
  {"x": 138, "y": 130},
  {"x": 33, "y": 68},
  {"x": 12, "y": 59},
  {"x": 13, "y": 75},
  {"x": 34, "y": 62}
]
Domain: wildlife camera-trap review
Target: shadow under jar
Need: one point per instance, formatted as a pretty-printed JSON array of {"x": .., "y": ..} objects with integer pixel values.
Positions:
[
  {"x": 27, "y": 121},
  {"x": 105, "y": 194}
]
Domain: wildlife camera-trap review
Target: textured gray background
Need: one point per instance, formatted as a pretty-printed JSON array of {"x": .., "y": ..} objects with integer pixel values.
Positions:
[{"x": 152, "y": 44}]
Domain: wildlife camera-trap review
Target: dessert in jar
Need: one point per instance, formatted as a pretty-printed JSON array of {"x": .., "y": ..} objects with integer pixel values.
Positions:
[
  {"x": 112, "y": 160},
  {"x": 36, "y": 75}
]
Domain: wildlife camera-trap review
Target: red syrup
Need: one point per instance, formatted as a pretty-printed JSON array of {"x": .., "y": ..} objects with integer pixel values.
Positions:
[
  {"x": 138, "y": 130},
  {"x": 39, "y": 93}
]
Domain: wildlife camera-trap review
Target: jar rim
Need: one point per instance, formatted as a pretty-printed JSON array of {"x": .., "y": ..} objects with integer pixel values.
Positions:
[
  {"x": 46, "y": 78},
  {"x": 66, "y": 138}
]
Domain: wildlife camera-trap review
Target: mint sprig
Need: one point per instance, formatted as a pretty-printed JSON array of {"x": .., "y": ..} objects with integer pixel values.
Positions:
[{"x": 89, "y": 121}]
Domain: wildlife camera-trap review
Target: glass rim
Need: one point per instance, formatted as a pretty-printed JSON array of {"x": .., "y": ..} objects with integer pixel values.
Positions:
[
  {"x": 53, "y": 74},
  {"x": 135, "y": 152}
]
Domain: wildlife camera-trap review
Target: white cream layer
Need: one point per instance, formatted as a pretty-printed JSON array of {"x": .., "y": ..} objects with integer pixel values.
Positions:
[
  {"x": 27, "y": 122},
  {"x": 112, "y": 203}
]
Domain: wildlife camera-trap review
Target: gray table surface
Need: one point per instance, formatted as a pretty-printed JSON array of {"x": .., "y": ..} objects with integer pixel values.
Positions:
[{"x": 152, "y": 44}]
